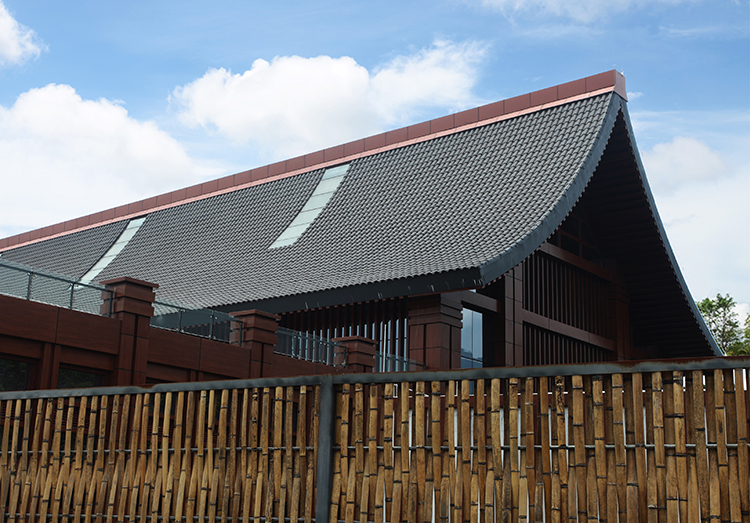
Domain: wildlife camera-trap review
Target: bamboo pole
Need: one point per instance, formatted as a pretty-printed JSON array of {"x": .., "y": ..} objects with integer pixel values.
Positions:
[
  {"x": 579, "y": 442},
  {"x": 599, "y": 441},
  {"x": 742, "y": 444},
  {"x": 420, "y": 443}
]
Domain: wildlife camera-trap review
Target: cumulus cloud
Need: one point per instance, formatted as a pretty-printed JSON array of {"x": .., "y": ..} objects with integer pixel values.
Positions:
[
  {"x": 702, "y": 200},
  {"x": 293, "y": 105},
  {"x": 681, "y": 161},
  {"x": 584, "y": 11},
  {"x": 81, "y": 156},
  {"x": 18, "y": 43}
]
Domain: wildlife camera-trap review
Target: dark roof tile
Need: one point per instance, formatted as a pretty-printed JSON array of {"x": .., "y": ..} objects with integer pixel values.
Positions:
[
  {"x": 450, "y": 203},
  {"x": 71, "y": 255}
]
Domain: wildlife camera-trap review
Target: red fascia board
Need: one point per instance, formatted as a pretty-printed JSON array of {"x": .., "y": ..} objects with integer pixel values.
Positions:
[
  {"x": 314, "y": 158},
  {"x": 295, "y": 163},
  {"x": 243, "y": 177},
  {"x": 537, "y": 100}
]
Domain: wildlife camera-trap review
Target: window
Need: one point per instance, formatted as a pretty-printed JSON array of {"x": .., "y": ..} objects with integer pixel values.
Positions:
[
  {"x": 321, "y": 195},
  {"x": 471, "y": 340},
  {"x": 14, "y": 375},
  {"x": 78, "y": 379},
  {"x": 112, "y": 252}
]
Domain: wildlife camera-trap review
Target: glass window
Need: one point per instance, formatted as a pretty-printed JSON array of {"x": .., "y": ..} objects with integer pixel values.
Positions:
[
  {"x": 318, "y": 200},
  {"x": 114, "y": 250},
  {"x": 471, "y": 340},
  {"x": 14, "y": 375},
  {"x": 78, "y": 379}
]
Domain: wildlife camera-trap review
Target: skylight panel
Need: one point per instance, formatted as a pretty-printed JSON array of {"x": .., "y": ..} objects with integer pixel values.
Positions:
[
  {"x": 320, "y": 197},
  {"x": 113, "y": 251}
]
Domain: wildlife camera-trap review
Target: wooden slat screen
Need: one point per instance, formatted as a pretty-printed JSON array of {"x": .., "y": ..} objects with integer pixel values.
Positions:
[
  {"x": 544, "y": 347},
  {"x": 564, "y": 293},
  {"x": 384, "y": 321},
  {"x": 634, "y": 446}
]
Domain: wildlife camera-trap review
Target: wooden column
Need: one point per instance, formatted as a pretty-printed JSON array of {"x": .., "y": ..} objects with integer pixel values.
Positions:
[
  {"x": 133, "y": 304},
  {"x": 49, "y": 366},
  {"x": 618, "y": 315},
  {"x": 435, "y": 331},
  {"x": 513, "y": 315},
  {"x": 360, "y": 353},
  {"x": 259, "y": 334}
]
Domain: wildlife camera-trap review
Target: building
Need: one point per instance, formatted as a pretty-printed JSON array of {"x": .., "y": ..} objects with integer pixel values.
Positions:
[{"x": 522, "y": 232}]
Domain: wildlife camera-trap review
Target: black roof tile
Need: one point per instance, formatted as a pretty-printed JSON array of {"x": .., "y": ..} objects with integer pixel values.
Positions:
[
  {"x": 452, "y": 203},
  {"x": 70, "y": 255}
]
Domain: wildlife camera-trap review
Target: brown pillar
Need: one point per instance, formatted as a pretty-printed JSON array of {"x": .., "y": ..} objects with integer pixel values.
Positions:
[
  {"x": 133, "y": 304},
  {"x": 259, "y": 334},
  {"x": 360, "y": 353},
  {"x": 49, "y": 367},
  {"x": 435, "y": 331},
  {"x": 512, "y": 307},
  {"x": 618, "y": 318}
]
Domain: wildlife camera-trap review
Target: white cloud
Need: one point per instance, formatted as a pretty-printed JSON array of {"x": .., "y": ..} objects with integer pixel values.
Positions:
[
  {"x": 681, "y": 161},
  {"x": 65, "y": 157},
  {"x": 742, "y": 310},
  {"x": 584, "y": 11},
  {"x": 713, "y": 31},
  {"x": 702, "y": 196},
  {"x": 18, "y": 43},
  {"x": 294, "y": 105}
]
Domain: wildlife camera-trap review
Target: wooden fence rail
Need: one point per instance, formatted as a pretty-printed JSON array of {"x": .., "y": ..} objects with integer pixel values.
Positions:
[{"x": 650, "y": 442}]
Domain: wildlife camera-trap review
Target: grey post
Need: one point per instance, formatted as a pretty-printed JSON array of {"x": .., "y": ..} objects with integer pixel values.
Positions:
[{"x": 325, "y": 449}]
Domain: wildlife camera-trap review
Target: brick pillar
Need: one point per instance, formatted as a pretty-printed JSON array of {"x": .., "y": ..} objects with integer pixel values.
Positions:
[
  {"x": 259, "y": 334},
  {"x": 360, "y": 353},
  {"x": 435, "y": 331},
  {"x": 133, "y": 304}
]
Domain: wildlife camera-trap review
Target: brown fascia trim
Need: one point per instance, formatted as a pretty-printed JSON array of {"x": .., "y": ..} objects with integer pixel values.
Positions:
[{"x": 479, "y": 116}]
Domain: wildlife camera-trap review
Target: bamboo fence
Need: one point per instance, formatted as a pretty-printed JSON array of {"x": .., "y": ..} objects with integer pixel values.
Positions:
[{"x": 658, "y": 446}]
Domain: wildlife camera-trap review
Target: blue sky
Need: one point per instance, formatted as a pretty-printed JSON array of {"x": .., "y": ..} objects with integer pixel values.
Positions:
[{"x": 103, "y": 103}]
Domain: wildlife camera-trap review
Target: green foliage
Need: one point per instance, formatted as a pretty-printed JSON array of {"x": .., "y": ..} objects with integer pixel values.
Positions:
[{"x": 725, "y": 326}]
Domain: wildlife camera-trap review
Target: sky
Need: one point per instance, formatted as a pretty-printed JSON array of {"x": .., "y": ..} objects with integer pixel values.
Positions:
[{"x": 105, "y": 103}]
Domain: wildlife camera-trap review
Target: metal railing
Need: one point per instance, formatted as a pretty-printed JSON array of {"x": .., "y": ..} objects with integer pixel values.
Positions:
[
  {"x": 34, "y": 284},
  {"x": 30, "y": 283},
  {"x": 307, "y": 347},
  {"x": 391, "y": 363},
  {"x": 205, "y": 323}
]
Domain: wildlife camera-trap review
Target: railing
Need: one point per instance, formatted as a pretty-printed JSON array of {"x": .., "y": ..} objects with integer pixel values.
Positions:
[
  {"x": 637, "y": 441},
  {"x": 33, "y": 284},
  {"x": 206, "y": 323},
  {"x": 302, "y": 346},
  {"x": 391, "y": 363}
]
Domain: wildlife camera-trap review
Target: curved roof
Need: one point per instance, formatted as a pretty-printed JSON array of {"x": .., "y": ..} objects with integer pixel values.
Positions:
[{"x": 453, "y": 210}]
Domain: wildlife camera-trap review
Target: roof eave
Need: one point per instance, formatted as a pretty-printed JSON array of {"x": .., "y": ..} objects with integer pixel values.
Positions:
[
  {"x": 664, "y": 239},
  {"x": 496, "y": 267},
  {"x": 426, "y": 284}
]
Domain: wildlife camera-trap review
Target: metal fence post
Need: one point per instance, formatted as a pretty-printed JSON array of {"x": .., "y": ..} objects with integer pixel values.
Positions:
[{"x": 325, "y": 450}]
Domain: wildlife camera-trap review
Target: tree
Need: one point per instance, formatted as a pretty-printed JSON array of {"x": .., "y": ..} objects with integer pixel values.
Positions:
[{"x": 725, "y": 326}]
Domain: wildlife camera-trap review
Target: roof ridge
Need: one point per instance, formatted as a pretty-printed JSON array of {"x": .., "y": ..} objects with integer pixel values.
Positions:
[{"x": 483, "y": 115}]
